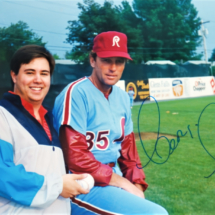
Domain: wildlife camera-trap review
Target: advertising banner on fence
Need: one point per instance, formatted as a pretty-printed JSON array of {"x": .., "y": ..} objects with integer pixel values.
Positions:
[
  {"x": 160, "y": 88},
  {"x": 173, "y": 88},
  {"x": 167, "y": 88},
  {"x": 200, "y": 86},
  {"x": 140, "y": 88}
]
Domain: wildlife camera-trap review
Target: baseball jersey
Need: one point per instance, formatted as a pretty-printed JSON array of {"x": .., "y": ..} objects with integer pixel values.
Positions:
[{"x": 105, "y": 122}]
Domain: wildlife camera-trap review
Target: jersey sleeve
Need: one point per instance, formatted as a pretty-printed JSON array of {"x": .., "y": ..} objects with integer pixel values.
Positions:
[
  {"x": 18, "y": 185},
  {"x": 79, "y": 159},
  {"x": 71, "y": 109},
  {"x": 129, "y": 161}
]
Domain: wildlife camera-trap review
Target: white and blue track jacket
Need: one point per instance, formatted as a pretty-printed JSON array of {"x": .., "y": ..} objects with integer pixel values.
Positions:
[{"x": 31, "y": 166}]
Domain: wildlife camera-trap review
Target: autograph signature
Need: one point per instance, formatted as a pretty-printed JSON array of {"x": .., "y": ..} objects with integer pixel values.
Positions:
[{"x": 173, "y": 144}]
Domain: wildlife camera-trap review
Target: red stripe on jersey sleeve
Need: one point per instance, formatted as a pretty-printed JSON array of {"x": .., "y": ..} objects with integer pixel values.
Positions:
[{"x": 67, "y": 102}]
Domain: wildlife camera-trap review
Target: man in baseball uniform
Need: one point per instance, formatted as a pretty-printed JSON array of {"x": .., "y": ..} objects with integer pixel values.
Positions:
[
  {"x": 93, "y": 118},
  {"x": 33, "y": 179}
]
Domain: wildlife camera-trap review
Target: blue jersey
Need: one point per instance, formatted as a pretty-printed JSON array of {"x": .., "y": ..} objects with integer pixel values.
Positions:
[{"x": 105, "y": 122}]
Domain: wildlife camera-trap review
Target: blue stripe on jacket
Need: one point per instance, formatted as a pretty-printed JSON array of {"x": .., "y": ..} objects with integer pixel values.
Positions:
[{"x": 11, "y": 175}]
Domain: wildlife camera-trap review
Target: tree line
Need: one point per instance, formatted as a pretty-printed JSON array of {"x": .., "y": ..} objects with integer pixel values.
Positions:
[{"x": 156, "y": 30}]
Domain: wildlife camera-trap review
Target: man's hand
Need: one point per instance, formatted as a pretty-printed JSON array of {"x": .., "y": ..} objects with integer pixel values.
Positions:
[
  {"x": 125, "y": 184},
  {"x": 70, "y": 186},
  {"x": 140, "y": 187}
]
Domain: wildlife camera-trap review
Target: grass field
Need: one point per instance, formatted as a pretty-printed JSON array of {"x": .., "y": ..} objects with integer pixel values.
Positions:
[{"x": 179, "y": 184}]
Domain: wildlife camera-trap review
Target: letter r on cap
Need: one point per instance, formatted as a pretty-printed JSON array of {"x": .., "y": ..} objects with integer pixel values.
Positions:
[{"x": 116, "y": 39}]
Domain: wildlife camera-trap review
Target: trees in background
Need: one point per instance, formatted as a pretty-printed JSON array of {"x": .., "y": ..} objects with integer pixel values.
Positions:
[
  {"x": 15, "y": 36},
  {"x": 212, "y": 56},
  {"x": 156, "y": 29},
  {"x": 169, "y": 28},
  {"x": 212, "y": 59},
  {"x": 56, "y": 57},
  {"x": 94, "y": 19}
]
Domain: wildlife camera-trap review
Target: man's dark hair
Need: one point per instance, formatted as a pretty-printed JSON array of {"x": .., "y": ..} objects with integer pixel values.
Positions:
[
  {"x": 27, "y": 53},
  {"x": 93, "y": 55}
]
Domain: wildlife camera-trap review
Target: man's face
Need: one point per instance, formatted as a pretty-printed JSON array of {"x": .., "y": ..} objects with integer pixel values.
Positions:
[
  {"x": 107, "y": 71},
  {"x": 32, "y": 83}
]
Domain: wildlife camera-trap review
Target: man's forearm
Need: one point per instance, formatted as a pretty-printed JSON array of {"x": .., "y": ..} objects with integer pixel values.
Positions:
[{"x": 129, "y": 162}]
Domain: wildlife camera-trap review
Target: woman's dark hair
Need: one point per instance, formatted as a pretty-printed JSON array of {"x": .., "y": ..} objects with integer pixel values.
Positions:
[{"x": 27, "y": 53}]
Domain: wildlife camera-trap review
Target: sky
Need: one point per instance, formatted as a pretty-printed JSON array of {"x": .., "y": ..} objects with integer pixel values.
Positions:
[{"x": 49, "y": 19}]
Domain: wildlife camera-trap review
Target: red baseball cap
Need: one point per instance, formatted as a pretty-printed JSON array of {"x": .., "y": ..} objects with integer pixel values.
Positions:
[{"x": 111, "y": 44}]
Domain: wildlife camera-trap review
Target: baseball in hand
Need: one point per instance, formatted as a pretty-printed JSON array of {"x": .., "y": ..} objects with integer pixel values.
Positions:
[{"x": 87, "y": 183}]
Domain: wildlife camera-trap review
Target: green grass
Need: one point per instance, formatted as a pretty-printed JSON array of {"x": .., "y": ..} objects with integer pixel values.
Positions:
[{"x": 179, "y": 184}]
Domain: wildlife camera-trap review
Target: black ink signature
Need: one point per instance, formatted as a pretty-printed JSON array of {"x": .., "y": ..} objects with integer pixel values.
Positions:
[
  {"x": 200, "y": 139},
  {"x": 173, "y": 144}
]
